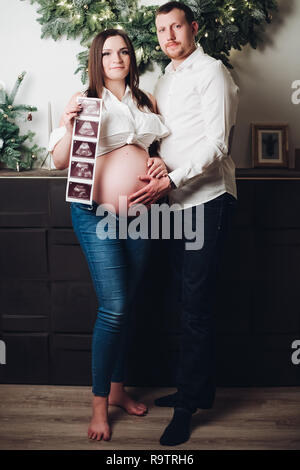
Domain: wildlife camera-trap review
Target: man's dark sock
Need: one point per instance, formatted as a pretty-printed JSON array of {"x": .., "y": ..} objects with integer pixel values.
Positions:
[
  {"x": 178, "y": 431},
  {"x": 167, "y": 400}
]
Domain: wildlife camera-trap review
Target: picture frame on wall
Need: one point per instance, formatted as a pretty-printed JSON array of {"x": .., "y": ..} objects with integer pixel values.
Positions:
[{"x": 270, "y": 145}]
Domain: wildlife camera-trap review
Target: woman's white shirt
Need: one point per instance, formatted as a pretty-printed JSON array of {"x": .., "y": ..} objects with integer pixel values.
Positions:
[{"x": 122, "y": 123}]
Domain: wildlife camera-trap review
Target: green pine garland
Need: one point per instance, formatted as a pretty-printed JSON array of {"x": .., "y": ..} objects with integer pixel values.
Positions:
[
  {"x": 13, "y": 152},
  {"x": 223, "y": 25}
]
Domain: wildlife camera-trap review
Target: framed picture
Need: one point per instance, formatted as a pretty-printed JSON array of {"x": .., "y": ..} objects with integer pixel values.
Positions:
[{"x": 270, "y": 145}]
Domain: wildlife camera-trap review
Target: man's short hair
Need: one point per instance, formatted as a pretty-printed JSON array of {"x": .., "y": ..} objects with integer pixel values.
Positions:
[{"x": 167, "y": 7}]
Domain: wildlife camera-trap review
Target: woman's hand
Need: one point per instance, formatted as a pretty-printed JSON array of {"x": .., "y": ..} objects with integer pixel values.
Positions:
[
  {"x": 71, "y": 111},
  {"x": 156, "y": 167}
]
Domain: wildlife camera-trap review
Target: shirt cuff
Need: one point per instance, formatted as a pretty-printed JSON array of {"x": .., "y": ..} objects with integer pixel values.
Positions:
[
  {"x": 177, "y": 176},
  {"x": 173, "y": 185}
]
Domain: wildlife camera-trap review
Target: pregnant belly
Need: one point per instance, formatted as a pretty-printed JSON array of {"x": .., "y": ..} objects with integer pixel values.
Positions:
[{"x": 117, "y": 175}]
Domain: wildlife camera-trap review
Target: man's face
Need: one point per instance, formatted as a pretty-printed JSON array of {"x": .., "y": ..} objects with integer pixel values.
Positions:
[{"x": 175, "y": 35}]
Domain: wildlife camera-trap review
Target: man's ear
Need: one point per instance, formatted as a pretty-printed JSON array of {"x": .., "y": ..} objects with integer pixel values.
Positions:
[{"x": 195, "y": 27}]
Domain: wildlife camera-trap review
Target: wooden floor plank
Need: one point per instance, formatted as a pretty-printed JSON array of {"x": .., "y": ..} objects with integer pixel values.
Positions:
[{"x": 56, "y": 417}]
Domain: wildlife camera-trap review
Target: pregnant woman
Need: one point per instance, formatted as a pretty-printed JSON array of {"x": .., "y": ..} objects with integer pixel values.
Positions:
[{"x": 129, "y": 128}]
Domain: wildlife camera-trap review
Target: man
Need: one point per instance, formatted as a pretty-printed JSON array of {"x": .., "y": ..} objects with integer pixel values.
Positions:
[{"x": 198, "y": 100}]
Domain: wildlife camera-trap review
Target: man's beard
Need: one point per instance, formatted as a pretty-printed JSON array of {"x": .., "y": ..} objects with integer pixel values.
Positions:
[
  {"x": 180, "y": 52},
  {"x": 176, "y": 54}
]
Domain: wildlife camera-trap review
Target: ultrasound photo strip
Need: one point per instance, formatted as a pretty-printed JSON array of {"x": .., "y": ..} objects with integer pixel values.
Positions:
[{"x": 83, "y": 152}]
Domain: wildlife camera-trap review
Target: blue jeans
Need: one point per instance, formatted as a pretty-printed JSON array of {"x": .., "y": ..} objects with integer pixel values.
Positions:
[{"x": 116, "y": 266}]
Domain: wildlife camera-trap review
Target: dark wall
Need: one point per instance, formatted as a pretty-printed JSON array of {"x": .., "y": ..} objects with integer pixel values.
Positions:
[{"x": 48, "y": 305}]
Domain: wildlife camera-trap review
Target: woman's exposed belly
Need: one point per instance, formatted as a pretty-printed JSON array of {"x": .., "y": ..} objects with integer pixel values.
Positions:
[{"x": 116, "y": 174}]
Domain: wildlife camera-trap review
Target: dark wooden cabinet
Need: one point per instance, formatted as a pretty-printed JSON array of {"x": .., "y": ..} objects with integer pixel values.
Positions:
[{"x": 48, "y": 305}]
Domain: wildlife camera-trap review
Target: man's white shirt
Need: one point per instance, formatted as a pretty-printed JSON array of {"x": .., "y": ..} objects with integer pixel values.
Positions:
[{"x": 198, "y": 102}]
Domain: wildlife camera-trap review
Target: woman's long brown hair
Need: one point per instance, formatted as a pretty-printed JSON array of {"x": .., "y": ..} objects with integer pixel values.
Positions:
[{"x": 96, "y": 71}]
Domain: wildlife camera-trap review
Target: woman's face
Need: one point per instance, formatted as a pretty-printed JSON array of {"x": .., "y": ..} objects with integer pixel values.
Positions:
[{"x": 115, "y": 58}]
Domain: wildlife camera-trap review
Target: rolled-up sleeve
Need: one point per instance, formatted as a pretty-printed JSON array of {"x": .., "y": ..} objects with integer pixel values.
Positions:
[
  {"x": 55, "y": 136},
  {"x": 219, "y": 102}
]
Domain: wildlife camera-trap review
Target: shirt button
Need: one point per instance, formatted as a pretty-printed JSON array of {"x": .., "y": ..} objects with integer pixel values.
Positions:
[{"x": 130, "y": 138}]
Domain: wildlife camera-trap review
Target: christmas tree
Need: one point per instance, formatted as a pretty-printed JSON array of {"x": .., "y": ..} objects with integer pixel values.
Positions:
[
  {"x": 13, "y": 152},
  {"x": 223, "y": 25}
]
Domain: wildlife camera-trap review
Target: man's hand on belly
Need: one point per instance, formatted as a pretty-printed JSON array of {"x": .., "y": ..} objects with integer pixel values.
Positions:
[
  {"x": 156, "y": 167},
  {"x": 154, "y": 190}
]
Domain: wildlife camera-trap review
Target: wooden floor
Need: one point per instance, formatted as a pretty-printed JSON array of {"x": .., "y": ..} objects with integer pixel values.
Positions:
[{"x": 57, "y": 417}]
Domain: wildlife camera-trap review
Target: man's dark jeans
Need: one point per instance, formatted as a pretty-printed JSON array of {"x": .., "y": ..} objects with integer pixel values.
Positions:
[{"x": 196, "y": 272}]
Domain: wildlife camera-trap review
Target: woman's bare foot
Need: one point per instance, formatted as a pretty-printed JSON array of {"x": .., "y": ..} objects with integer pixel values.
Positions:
[
  {"x": 99, "y": 427},
  {"x": 119, "y": 397}
]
